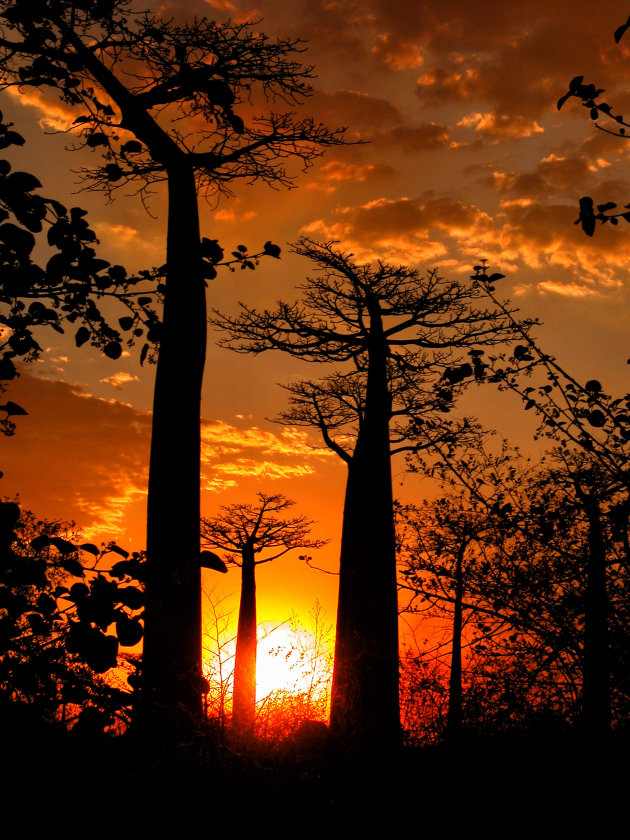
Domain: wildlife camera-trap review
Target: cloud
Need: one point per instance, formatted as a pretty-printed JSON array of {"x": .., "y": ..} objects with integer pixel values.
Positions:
[
  {"x": 403, "y": 229},
  {"x": 119, "y": 380},
  {"x": 500, "y": 126},
  {"x": 81, "y": 458},
  {"x": 574, "y": 290},
  {"x": 413, "y": 139},
  {"x": 219, "y": 437},
  {"x": 335, "y": 173},
  {"x": 360, "y": 111},
  {"x": 94, "y": 454},
  {"x": 554, "y": 174},
  {"x": 55, "y": 115}
]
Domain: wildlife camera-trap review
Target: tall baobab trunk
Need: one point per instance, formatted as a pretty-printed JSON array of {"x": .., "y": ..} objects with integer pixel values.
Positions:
[
  {"x": 595, "y": 673},
  {"x": 454, "y": 721},
  {"x": 172, "y": 638},
  {"x": 244, "y": 693},
  {"x": 365, "y": 702}
]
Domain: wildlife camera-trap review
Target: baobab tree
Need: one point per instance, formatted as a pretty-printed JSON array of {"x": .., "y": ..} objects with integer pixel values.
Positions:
[
  {"x": 245, "y": 531},
  {"x": 400, "y": 333},
  {"x": 161, "y": 101}
]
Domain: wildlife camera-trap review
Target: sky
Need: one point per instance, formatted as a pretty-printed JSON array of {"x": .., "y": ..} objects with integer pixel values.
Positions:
[{"x": 465, "y": 157}]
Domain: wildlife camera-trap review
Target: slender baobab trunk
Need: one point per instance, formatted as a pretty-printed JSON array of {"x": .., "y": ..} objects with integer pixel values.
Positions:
[
  {"x": 595, "y": 673},
  {"x": 365, "y": 702},
  {"x": 244, "y": 693},
  {"x": 454, "y": 721},
  {"x": 172, "y": 638}
]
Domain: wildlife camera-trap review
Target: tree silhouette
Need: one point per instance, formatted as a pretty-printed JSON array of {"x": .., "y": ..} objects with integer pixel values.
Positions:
[
  {"x": 441, "y": 542},
  {"x": 399, "y": 333},
  {"x": 557, "y": 575},
  {"x": 249, "y": 530},
  {"x": 54, "y": 639},
  {"x": 135, "y": 80}
]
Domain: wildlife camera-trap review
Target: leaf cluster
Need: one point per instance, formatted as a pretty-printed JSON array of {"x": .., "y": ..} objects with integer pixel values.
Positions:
[
  {"x": 613, "y": 123},
  {"x": 58, "y": 636}
]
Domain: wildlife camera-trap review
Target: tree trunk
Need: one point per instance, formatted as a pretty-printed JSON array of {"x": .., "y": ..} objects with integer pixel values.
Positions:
[
  {"x": 595, "y": 674},
  {"x": 365, "y": 702},
  {"x": 244, "y": 693},
  {"x": 172, "y": 638},
  {"x": 454, "y": 721}
]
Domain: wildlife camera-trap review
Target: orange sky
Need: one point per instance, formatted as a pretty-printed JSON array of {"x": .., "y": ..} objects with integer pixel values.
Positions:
[{"x": 467, "y": 158}]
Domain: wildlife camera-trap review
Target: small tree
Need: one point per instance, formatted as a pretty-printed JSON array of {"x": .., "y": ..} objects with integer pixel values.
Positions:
[
  {"x": 400, "y": 334},
  {"x": 249, "y": 530},
  {"x": 135, "y": 80},
  {"x": 557, "y": 574}
]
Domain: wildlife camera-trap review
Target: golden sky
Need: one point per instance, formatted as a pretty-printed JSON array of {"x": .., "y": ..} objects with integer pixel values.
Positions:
[{"x": 467, "y": 157}]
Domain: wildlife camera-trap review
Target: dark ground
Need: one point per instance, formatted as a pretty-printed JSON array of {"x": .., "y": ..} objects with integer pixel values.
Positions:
[{"x": 92, "y": 788}]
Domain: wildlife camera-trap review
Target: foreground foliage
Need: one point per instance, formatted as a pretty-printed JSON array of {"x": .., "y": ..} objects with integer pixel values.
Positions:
[{"x": 64, "y": 621}]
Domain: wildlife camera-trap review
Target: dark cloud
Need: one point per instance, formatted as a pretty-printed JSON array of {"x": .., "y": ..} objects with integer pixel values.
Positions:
[
  {"x": 360, "y": 111},
  {"x": 414, "y": 139},
  {"x": 554, "y": 174},
  {"x": 75, "y": 457}
]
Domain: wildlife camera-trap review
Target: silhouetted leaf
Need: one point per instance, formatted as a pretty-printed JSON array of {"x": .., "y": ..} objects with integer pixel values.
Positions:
[
  {"x": 11, "y": 138},
  {"x": 587, "y": 215},
  {"x": 22, "y": 182},
  {"x": 97, "y": 139},
  {"x": 12, "y": 408},
  {"x": 113, "y": 172},
  {"x": 128, "y": 630},
  {"x": 72, "y": 566},
  {"x": 593, "y": 386},
  {"x": 40, "y": 542},
  {"x": 7, "y": 369},
  {"x": 90, "y": 548},
  {"x": 113, "y": 350},
  {"x": 131, "y": 147},
  {"x": 17, "y": 238},
  {"x": 126, "y": 323},
  {"x": 596, "y": 418},
  {"x": 131, "y": 597},
  {"x": 117, "y": 550},
  {"x": 64, "y": 546},
  {"x": 82, "y": 335},
  {"x": 209, "y": 560},
  {"x": 621, "y": 30},
  {"x": 563, "y": 99},
  {"x": 79, "y": 592},
  {"x": 271, "y": 250}
]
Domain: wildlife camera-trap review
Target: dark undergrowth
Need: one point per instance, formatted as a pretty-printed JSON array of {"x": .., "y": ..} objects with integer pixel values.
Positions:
[{"x": 93, "y": 787}]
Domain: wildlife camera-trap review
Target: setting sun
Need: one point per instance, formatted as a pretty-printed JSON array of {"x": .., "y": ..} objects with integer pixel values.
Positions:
[{"x": 290, "y": 660}]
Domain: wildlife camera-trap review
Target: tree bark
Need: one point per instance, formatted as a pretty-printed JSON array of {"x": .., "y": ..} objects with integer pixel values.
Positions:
[
  {"x": 172, "y": 636},
  {"x": 365, "y": 702},
  {"x": 454, "y": 721},
  {"x": 244, "y": 692}
]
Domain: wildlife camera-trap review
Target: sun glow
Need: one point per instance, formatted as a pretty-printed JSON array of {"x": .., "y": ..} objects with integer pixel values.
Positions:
[
  {"x": 291, "y": 659},
  {"x": 293, "y": 668}
]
